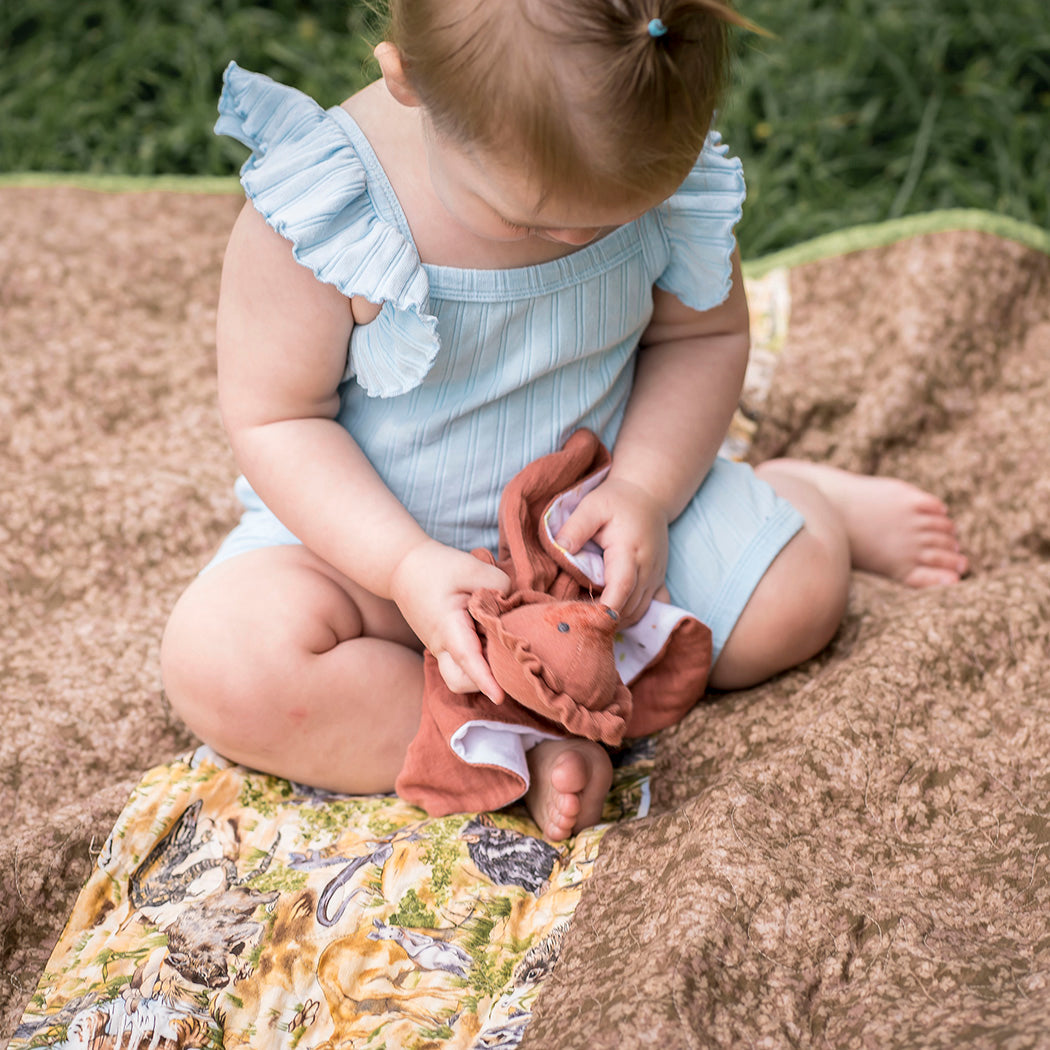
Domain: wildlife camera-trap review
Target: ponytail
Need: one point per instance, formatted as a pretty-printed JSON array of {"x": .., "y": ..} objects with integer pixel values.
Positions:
[{"x": 606, "y": 96}]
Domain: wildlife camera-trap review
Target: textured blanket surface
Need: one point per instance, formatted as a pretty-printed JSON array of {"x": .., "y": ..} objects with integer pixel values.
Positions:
[{"x": 854, "y": 854}]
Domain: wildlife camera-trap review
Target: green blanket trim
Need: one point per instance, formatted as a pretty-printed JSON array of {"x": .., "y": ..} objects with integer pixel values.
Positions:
[
  {"x": 851, "y": 239},
  {"x": 881, "y": 234}
]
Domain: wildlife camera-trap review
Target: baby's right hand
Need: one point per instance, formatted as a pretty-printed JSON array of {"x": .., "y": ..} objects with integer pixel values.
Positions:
[{"x": 431, "y": 586}]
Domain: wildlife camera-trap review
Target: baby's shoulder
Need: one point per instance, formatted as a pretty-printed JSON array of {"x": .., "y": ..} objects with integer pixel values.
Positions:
[
  {"x": 372, "y": 109},
  {"x": 698, "y": 223},
  {"x": 313, "y": 177}
]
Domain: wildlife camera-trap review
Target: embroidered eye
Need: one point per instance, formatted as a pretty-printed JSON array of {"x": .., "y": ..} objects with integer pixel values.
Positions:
[{"x": 563, "y": 627}]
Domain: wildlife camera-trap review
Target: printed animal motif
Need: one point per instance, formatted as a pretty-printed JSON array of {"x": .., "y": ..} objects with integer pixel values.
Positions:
[
  {"x": 506, "y": 1036},
  {"x": 129, "y": 1022},
  {"x": 65, "y": 1017},
  {"x": 333, "y": 900},
  {"x": 204, "y": 937},
  {"x": 428, "y": 953},
  {"x": 438, "y": 947},
  {"x": 165, "y": 878},
  {"x": 539, "y": 960},
  {"x": 509, "y": 858},
  {"x": 161, "y": 877},
  {"x": 370, "y": 981},
  {"x": 512, "y": 1013}
]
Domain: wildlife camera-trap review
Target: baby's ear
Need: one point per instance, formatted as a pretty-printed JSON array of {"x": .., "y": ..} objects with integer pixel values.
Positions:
[{"x": 393, "y": 70}]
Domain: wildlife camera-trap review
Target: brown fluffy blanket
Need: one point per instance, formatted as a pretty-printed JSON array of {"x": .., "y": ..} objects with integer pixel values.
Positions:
[{"x": 854, "y": 854}]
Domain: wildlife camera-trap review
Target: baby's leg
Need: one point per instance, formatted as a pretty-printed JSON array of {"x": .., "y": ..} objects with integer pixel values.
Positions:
[
  {"x": 852, "y": 521},
  {"x": 894, "y": 529},
  {"x": 569, "y": 781},
  {"x": 279, "y": 663}
]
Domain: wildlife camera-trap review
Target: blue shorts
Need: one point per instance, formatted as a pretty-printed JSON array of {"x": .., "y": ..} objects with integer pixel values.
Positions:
[
  {"x": 720, "y": 546},
  {"x": 723, "y": 543}
]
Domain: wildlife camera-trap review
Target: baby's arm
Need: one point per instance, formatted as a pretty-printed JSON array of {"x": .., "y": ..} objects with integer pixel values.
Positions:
[
  {"x": 282, "y": 342},
  {"x": 690, "y": 371}
]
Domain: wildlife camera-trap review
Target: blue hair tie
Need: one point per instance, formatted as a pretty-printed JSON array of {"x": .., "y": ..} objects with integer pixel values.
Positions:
[{"x": 657, "y": 28}]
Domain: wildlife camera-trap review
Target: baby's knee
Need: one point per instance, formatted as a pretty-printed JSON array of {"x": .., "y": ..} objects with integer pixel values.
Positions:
[
  {"x": 218, "y": 660},
  {"x": 199, "y": 670},
  {"x": 794, "y": 612},
  {"x": 818, "y": 589}
]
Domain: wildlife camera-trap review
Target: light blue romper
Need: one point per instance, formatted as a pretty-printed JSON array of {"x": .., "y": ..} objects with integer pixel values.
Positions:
[{"x": 466, "y": 376}]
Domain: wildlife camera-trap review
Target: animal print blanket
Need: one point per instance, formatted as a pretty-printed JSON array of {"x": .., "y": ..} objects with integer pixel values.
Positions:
[
  {"x": 231, "y": 908},
  {"x": 853, "y": 854}
]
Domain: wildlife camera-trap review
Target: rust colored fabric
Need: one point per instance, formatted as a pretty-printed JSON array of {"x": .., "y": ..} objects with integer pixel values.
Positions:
[{"x": 550, "y": 645}]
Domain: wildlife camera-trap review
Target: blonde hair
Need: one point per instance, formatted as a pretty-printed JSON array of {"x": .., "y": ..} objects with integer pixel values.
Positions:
[{"x": 587, "y": 95}]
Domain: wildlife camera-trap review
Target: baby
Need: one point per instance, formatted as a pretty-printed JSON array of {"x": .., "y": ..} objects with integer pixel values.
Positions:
[{"x": 523, "y": 228}]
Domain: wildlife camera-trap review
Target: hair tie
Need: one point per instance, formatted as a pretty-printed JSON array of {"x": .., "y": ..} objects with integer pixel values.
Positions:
[{"x": 657, "y": 28}]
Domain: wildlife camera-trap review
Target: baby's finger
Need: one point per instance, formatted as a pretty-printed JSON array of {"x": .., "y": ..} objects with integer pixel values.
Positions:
[
  {"x": 632, "y": 610},
  {"x": 455, "y": 678},
  {"x": 479, "y": 671},
  {"x": 637, "y": 606},
  {"x": 472, "y": 667},
  {"x": 496, "y": 580},
  {"x": 458, "y": 681},
  {"x": 621, "y": 577},
  {"x": 582, "y": 524},
  {"x": 487, "y": 575}
]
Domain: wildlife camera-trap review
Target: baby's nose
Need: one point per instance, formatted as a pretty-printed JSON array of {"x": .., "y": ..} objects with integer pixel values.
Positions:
[{"x": 577, "y": 237}]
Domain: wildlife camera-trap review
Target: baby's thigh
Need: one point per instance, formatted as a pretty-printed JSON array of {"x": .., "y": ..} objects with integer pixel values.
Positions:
[
  {"x": 260, "y": 613},
  {"x": 723, "y": 543}
]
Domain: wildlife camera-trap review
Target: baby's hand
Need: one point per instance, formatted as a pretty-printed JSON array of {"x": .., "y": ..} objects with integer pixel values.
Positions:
[
  {"x": 431, "y": 586},
  {"x": 631, "y": 528}
]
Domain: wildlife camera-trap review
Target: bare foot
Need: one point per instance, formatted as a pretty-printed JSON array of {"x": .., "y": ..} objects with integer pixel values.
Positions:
[
  {"x": 569, "y": 781},
  {"x": 895, "y": 529}
]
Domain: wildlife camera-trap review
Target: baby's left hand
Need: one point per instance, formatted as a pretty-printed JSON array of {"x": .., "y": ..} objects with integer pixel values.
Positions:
[{"x": 631, "y": 528}]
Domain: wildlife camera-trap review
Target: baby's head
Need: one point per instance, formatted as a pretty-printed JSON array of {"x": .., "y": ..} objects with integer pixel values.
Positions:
[{"x": 589, "y": 99}]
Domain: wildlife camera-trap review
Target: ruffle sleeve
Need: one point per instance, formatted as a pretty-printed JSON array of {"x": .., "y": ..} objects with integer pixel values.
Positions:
[
  {"x": 306, "y": 178},
  {"x": 698, "y": 223}
]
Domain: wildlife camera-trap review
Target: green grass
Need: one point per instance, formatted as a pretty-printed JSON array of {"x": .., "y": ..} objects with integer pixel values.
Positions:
[
  {"x": 862, "y": 111},
  {"x": 855, "y": 111},
  {"x": 129, "y": 86}
]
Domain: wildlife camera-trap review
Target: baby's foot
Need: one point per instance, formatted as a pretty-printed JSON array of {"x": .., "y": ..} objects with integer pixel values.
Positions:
[
  {"x": 569, "y": 782},
  {"x": 895, "y": 529}
]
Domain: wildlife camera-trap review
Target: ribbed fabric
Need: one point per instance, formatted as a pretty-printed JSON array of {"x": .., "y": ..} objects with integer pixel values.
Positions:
[{"x": 468, "y": 375}]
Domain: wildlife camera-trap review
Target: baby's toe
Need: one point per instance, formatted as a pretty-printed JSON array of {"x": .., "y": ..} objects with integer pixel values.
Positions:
[
  {"x": 936, "y": 525},
  {"x": 927, "y": 503},
  {"x": 569, "y": 774},
  {"x": 933, "y": 576},
  {"x": 559, "y": 825}
]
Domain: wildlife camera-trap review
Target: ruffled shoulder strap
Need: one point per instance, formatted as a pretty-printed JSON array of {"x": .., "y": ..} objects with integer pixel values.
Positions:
[
  {"x": 698, "y": 222},
  {"x": 306, "y": 177}
]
